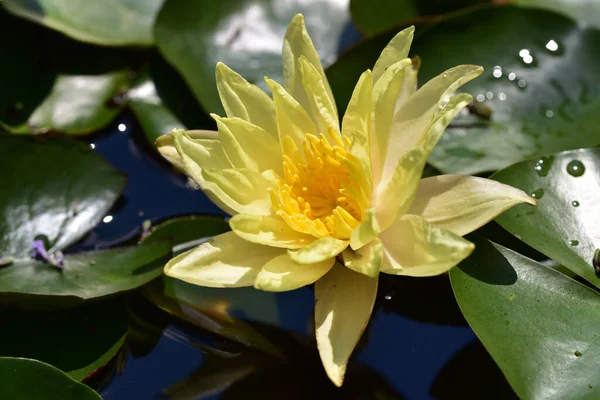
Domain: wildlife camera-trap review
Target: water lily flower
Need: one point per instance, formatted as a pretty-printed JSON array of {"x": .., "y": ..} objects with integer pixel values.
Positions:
[{"x": 316, "y": 201}]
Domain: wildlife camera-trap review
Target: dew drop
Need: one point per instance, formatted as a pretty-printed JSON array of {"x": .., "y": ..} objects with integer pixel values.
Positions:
[
  {"x": 543, "y": 165},
  {"x": 573, "y": 243},
  {"x": 552, "y": 45},
  {"x": 512, "y": 76},
  {"x": 575, "y": 203},
  {"x": 522, "y": 83},
  {"x": 575, "y": 168},
  {"x": 578, "y": 353},
  {"x": 537, "y": 194}
]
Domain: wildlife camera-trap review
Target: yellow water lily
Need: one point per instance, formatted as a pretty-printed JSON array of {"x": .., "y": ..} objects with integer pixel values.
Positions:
[{"x": 316, "y": 201}]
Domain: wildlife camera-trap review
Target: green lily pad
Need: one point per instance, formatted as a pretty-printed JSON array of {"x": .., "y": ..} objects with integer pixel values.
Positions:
[
  {"x": 55, "y": 187},
  {"x": 80, "y": 104},
  {"x": 247, "y": 36},
  {"x": 565, "y": 225},
  {"x": 77, "y": 341},
  {"x": 153, "y": 115},
  {"x": 85, "y": 276},
  {"x": 110, "y": 23},
  {"x": 586, "y": 11},
  {"x": 25, "y": 379},
  {"x": 539, "y": 88},
  {"x": 540, "y": 326}
]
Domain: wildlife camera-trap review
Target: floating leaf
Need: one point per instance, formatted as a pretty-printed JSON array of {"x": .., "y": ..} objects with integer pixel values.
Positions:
[
  {"x": 111, "y": 23},
  {"x": 538, "y": 94},
  {"x": 85, "y": 276},
  {"x": 77, "y": 341},
  {"x": 247, "y": 36},
  {"x": 540, "y": 326},
  {"x": 565, "y": 225},
  {"x": 25, "y": 379},
  {"x": 57, "y": 188}
]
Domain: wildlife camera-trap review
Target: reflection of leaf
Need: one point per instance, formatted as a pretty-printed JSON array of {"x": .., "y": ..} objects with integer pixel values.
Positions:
[
  {"x": 246, "y": 35},
  {"x": 565, "y": 225},
  {"x": 538, "y": 325},
  {"x": 107, "y": 22},
  {"x": 25, "y": 379},
  {"x": 76, "y": 341}
]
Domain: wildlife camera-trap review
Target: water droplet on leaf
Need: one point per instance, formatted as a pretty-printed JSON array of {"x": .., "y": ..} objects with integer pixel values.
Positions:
[
  {"x": 537, "y": 194},
  {"x": 573, "y": 242},
  {"x": 576, "y": 168},
  {"x": 575, "y": 203}
]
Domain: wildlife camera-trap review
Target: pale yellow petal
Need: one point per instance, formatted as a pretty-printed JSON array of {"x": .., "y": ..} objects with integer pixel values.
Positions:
[
  {"x": 344, "y": 302},
  {"x": 320, "y": 250},
  {"x": 365, "y": 260},
  {"x": 413, "y": 119},
  {"x": 246, "y": 101},
  {"x": 282, "y": 274},
  {"x": 166, "y": 146},
  {"x": 385, "y": 94},
  {"x": 292, "y": 119},
  {"x": 248, "y": 146},
  {"x": 366, "y": 231},
  {"x": 409, "y": 85},
  {"x": 396, "y": 50},
  {"x": 269, "y": 231},
  {"x": 396, "y": 197},
  {"x": 320, "y": 105},
  {"x": 462, "y": 204},
  {"x": 356, "y": 124},
  {"x": 297, "y": 43},
  {"x": 413, "y": 247},
  {"x": 224, "y": 261}
]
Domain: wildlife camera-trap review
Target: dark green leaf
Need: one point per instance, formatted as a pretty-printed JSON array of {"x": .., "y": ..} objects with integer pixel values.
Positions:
[
  {"x": 247, "y": 36},
  {"x": 586, "y": 11},
  {"x": 25, "y": 379},
  {"x": 77, "y": 341},
  {"x": 57, "y": 188},
  {"x": 111, "y": 23},
  {"x": 565, "y": 225},
  {"x": 85, "y": 276},
  {"x": 545, "y": 100},
  {"x": 540, "y": 326}
]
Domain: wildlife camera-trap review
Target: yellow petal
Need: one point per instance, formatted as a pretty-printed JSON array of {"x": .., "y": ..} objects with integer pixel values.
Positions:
[
  {"x": 246, "y": 101},
  {"x": 396, "y": 50},
  {"x": 413, "y": 247},
  {"x": 344, "y": 302},
  {"x": 269, "y": 231},
  {"x": 396, "y": 197},
  {"x": 224, "y": 261},
  {"x": 234, "y": 191},
  {"x": 409, "y": 85},
  {"x": 413, "y": 120},
  {"x": 462, "y": 204},
  {"x": 365, "y": 260},
  {"x": 166, "y": 146},
  {"x": 385, "y": 93},
  {"x": 248, "y": 146},
  {"x": 320, "y": 105},
  {"x": 292, "y": 119},
  {"x": 297, "y": 43},
  {"x": 320, "y": 250},
  {"x": 366, "y": 231},
  {"x": 356, "y": 124},
  {"x": 282, "y": 274}
]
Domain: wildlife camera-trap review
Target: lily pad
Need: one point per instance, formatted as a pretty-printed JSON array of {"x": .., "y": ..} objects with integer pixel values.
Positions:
[
  {"x": 565, "y": 225},
  {"x": 586, "y": 11},
  {"x": 57, "y": 188},
  {"x": 25, "y": 379},
  {"x": 77, "y": 341},
  {"x": 538, "y": 94},
  {"x": 80, "y": 104},
  {"x": 110, "y": 23},
  {"x": 540, "y": 326},
  {"x": 247, "y": 36},
  {"x": 84, "y": 276}
]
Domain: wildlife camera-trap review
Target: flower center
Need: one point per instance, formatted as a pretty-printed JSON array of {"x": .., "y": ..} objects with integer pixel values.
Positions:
[{"x": 322, "y": 194}]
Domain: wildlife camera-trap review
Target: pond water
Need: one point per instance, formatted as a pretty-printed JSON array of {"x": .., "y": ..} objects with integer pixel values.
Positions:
[{"x": 417, "y": 346}]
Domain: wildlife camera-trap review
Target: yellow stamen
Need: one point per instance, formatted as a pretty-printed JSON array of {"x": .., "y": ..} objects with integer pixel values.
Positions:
[{"x": 322, "y": 195}]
